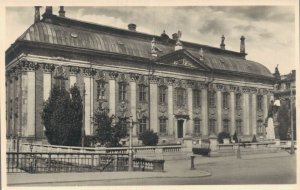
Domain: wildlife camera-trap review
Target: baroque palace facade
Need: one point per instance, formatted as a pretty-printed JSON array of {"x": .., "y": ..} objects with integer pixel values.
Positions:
[{"x": 175, "y": 88}]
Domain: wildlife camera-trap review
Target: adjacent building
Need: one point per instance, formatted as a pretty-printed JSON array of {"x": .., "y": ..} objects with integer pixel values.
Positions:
[{"x": 175, "y": 88}]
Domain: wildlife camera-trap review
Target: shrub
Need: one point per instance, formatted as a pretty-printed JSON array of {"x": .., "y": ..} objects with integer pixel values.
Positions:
[
  {"x": 235, "y": 138},
  {"x": 254, "y": 139},
  {"x": 149, "y": 138},
  {"x": 222, "y": 136},
  {"x": 201, "y": 151}
]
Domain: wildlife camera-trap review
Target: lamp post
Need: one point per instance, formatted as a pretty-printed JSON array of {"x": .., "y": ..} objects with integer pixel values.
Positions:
[
  {"x": 292, "y": 124},
  {"x": 130, "y": 159}
]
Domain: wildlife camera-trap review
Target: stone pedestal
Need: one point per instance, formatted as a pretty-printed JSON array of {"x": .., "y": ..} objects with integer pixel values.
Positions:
[
  {"x": 213, "y": 143},
  {"x": 188, "y": 143}
]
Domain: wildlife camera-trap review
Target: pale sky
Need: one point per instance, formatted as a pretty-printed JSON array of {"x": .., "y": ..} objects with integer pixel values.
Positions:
[{"x": 269, "y": 30}]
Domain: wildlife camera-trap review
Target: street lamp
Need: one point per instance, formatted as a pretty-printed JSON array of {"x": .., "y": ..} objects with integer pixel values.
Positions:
[{"x": 130, "y": 159}]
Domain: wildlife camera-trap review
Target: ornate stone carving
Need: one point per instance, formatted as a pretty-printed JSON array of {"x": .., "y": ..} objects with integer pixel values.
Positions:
[
  {"x": 162, "y": 108},
  {"x": 74, "y": 70},
  {"x": 101, "y": 76},
  {"x": 197, "y": 111},
  {"x": 253, "y": 90},
  {"x": 245, "y": 89},
  {"x": 180, "y": 83},
  {"x": 143, "y": 80},
  {"x": 232, "y": 88},
  {"x": 191, "y": 84},
  {"x": 142, "y": 111},
  {"x": 219, "y": 87},
  {"x": 153, "y": 79},
  {"x": 134, "y": 76},
  {"x": 47, "y": 67},
  {"x": 123, "y": 110},
  {"x": 170, "y": 81},
  {"x": 60, "y": 73},
  {"x": 89, "y": 72},
  {"x": 263, "y": 91},
  {"x": 162, "y": 82},
  {"x": 200, "y": 85},
  {"x": 113, "y": 75},
  {"x": 28, "y": 66}
]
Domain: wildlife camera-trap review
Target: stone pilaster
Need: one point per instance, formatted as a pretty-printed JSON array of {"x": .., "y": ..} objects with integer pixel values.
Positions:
[
  {"x": 204, "y": 112},
  {"x": 133, "y": 100},
  {"x": 190, "y": 124},
  {"x": 253, "y": 111},
  {"x": 153, "y": 104},
  {"x": 232, "y": 108},
  {"x": 28, "y": 97},
  {"x": 47, "y": 80},
  {"x": 246, "y": 120},
  {"x": 73, "y": 71},
  {"x": 170, "y": 107},
  {"x": 265, "y": 109},
  {"x": 112, "y": 92},
  {"x": 219, "y": 108},
  {"x": 88, "y": 80}
]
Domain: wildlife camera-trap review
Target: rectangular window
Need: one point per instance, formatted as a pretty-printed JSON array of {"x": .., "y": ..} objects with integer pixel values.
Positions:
[
  {"x": 142, "y": 93},
  {"x": 142, "y": 125},
  {"x": 163, "y": 125},
  {"x": 259, "y": 102},
  {"x": 259, "y": 127},
  {"x": 122, "y": 91},
  {"x": 239, "y": 127},
  {"x": 211, "y": 99},
  {"x": 288, "y": 86},
  {"x": 197, "y": 126},
  {"x": 162, "y": 95},
  {"x": 238, "y": 101},
  {"x": 225, "y": 100},
  {"x": 180, "y": 97},
  {"x": 212, "y": 123},
  {"x": 196, "y": 98},
  {"x": 101, "y": 90},
  {"x": 226, "y": 125}
]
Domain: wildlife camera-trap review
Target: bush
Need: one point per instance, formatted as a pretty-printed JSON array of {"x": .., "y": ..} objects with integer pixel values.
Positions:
[
  {"x": 254, "y": 139},
  {"x": 223, "y": 135},
  {"x": 149, "y": 138},
  {"x": 89, "y": 141},
  {"x": 235, "y": 138},
  {"x": 201, "y": 151}
]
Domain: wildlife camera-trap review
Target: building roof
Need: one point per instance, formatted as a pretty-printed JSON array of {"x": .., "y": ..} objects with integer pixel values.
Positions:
[{"x": 68, "y": 32}]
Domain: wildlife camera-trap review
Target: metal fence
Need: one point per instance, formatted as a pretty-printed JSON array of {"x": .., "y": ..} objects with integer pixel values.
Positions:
[
  {"x": 33, "y": 162},
  {"x": 37, "y": 162}
]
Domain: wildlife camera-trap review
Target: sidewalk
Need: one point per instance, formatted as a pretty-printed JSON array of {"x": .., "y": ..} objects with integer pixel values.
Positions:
[{"x": 173, "y": 169}]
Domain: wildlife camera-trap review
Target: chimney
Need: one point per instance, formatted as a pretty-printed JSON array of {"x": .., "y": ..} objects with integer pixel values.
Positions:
[
  {"x": 61, "y": 12},
  {"x": 37, "y": 15},
  {"x": 222, "y": 45},
  {"x": 242, "y": 46},
  {"x": 48, "y": 10},
  {"x": 132, "y": 27},
  {"x": 175, "y": 36}
]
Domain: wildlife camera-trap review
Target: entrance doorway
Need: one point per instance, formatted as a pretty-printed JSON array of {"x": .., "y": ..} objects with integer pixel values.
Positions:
[{"x": 180, "y": 128}]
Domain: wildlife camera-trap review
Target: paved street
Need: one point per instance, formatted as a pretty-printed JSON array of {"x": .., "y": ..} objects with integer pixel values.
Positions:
[{"x": 276, "y": 168}]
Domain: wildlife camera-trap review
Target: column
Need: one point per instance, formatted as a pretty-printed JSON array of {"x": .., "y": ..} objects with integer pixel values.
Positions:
[
  {"x": 153, "y": 105},
  {"x": 88, "y": 104},
  {"x": 190, "y": 111},
  {"x": 170, "y": 108},
  {"x": 112, "y": 93},
  {"x": 246, "y": 113},
  {"x": 265, "y": 111},
  {"x": 253, "y": 114},
  {"x": 219, "y": 111},
  {"x": 72, "y": 75},
  {"x": 46, "y": 85},
  {"x": 133, "y": 100},
  {"x": 204, "y": 112},
  {"x": 72, "y": 80},
  {"x": 232, "y": 112}
]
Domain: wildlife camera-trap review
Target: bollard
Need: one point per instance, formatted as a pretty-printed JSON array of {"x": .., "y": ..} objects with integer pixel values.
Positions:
[{"x": 192, "y": 162}]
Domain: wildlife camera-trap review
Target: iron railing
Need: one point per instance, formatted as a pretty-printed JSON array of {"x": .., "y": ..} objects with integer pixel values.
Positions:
[{"x": 42, "y": 162}]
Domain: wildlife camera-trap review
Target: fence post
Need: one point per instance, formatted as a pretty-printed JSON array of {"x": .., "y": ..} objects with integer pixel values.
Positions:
[
  {"x": 192, "y": 162},
  {"x": 49, "y": 162}
]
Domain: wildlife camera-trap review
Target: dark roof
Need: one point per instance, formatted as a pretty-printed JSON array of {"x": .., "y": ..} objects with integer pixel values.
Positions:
[{"x": 73, "y": 33}]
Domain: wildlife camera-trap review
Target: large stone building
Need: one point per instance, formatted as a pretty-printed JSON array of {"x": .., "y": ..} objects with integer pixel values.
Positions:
[{"x": 175, "y": 88}]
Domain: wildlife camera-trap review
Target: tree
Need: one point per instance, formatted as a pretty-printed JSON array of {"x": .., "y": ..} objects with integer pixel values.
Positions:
[
  {"x": 222, "y": 135},
  {"x": 107, "y": 133},
  {"x": 284, "y": 120},
  {"x": 149, "y": 138},
  {"x": 62, "y": 116}
]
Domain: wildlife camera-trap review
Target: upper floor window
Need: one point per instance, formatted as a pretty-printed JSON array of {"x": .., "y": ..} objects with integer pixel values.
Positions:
[
  {"x": 197, "y": 126},
  {"x": 287, "y": 86},
  {"x": 180, "y": 96},
  {"x": 259, "y": 102},
  {"x": 162, "y": 95},
  {"x": 163, "y": 125},
  {"x": 101, "y": 90},
  {"x": 238, "y": 101},
  {"x": 225, "y": 100},
  {"x": 142, "y": 93},
  {"x": 196, "y": 98},
  {"x": 211, "y": 99},
  {"x": 122, "y": 91}
]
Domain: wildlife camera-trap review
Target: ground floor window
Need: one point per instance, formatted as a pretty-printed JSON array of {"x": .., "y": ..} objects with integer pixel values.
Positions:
[
  {"x": 259, "y": 127},
  {"x": 212, "y": 124},
  {"x": 239, "y": 129},
  {"x": 226, "y": 125},
  {"x": 142, "y": 125},
  {"x": 197, "y": 126},
  {"x": 163, "y": 125}
]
